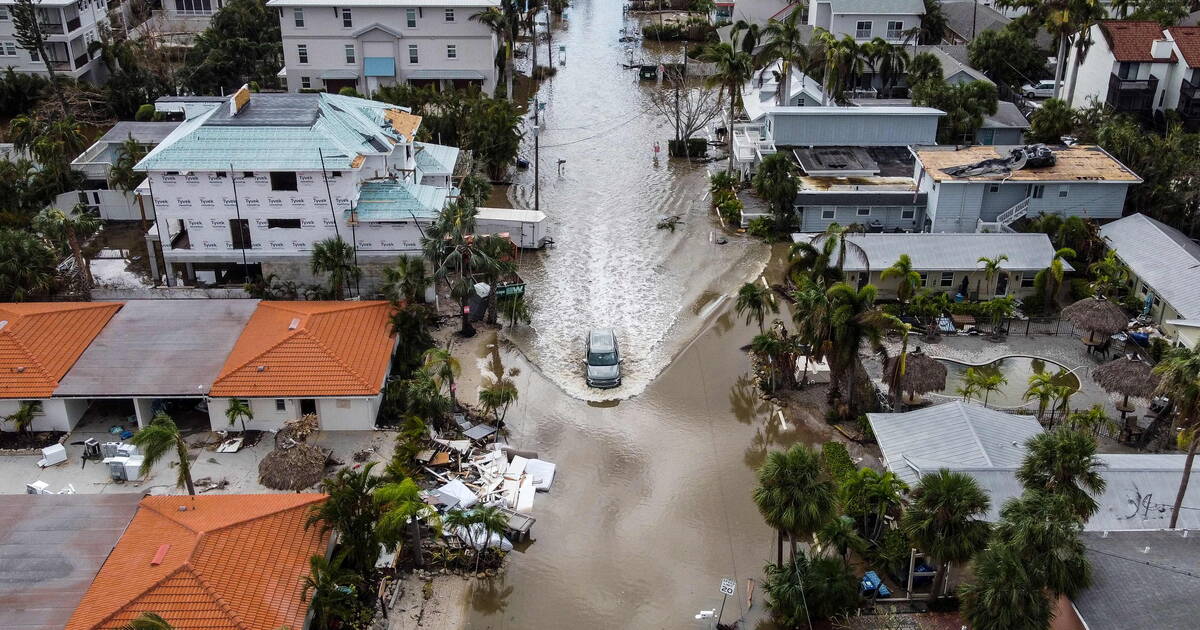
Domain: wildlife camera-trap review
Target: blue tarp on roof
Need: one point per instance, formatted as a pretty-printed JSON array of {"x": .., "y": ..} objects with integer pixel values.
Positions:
[{"x": 379, "y": 66}]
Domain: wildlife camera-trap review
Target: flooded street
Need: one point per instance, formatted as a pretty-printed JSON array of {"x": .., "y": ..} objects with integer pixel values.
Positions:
[{"x": 611, "y": 267}]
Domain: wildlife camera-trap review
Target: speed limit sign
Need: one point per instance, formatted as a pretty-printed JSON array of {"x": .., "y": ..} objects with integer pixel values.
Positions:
[{"x": 728, "y": 586}]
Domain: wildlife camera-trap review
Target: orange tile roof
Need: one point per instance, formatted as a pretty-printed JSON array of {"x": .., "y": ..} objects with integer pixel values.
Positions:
[
  {"x": 40, "y": 341},
  {"x": 334, "y": 349},
  {"x": 1132, "y": 40},
  {"x": 1187, "y": 38},
  {"x": 235, "y": 562}
]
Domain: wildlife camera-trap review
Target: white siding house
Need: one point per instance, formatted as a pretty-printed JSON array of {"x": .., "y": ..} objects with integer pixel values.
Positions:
[
  {"x": 865, "y": 20},
  {"x": 1128, "y": 67},
  {"x": 367, "y": 44},
  {"x": 69, "y": 26}
]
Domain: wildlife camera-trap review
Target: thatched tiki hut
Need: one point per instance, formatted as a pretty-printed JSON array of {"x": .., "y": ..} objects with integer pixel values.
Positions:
[
  {"x": 1128, "y": 376},
  {"x": 921, "y": 375},
  {"x": 1096, "y": 315},
  {"x": 296, "y": 468}
]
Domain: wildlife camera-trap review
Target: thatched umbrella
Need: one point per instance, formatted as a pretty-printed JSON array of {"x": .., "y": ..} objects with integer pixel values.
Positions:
[
  {"x": 1096, "y": 315},
  {"x": 1128, "y": 376},
  {"x": 296, "y": 468},
  {"x": 922, "y": 373}
]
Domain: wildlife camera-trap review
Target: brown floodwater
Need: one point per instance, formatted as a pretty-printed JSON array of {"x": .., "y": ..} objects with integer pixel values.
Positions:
[{"x": 651, "y": 504}]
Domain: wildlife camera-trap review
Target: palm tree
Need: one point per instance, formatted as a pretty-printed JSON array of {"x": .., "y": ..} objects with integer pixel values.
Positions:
[
  {"x": 1090, "y": 421},
  {"x": 149, "y": 621},
  {"x": 807, "y": 262},
  {"x": 1052, "y": 277},
  {"x": 1005, "y": 594},
  {"x": 406, "y": 281},
  {"x": 1180, "y": 374},
  {"x": 944, "y": 520},
  {"x": 239, "y": 409},
  {"x": 22, "y": 418},
  {"x": 443, "y": 367},
  {"x": 122, "y": 176},
  {"x": 853, "y": 319},
  {"x": 923, "y": 67},
  {"x": 1044, "y": 528},
  {"x": 839, "y": 234},
  {"x": 794, "y": 495},
  {"x": 157, "y": 439},
  {"x": 351, "y": 511},
  {"x": 1042, "y": 387},
  {"x": 411, "y": 329},
  {"x": 775, "y": 182},
  {"x": 515, "y": 308},
  {"x": 497, "y": 20},
  {"x": 484, "y": 521},
  {"x": 768, "y": 347},
  {"x": 1110, "y": 273},
  {"x": 753, "y": 302},
  {"x": 336, "y": 258},
  {"x": 970, "y": 386},
  {"x": 750, "y": 33},
  {"x": 841, "y": 534},
  {"x": 497, "y": 397},
  {"x": 332, "y": 589},
  {"x": 402, "y": 508},
  {"x": 27, "y": 266},
  {"x": 842, "y": 61},
  {"x": 734, "y": 68},
  {"x": 990, "y": 383},
  {"x": 1064, "y": 462},
  {"x": 870, "y": 495},
  {"x": 499, "y": 251},
  {"x": 785, "y": 44},
  {"x": 909, "y": 279},
  {"x": 811, "y": 317},
  {"x": 461, "y": 255},
  {"x": 991, "y": 269},
  {"x": 73, "y": 227}
]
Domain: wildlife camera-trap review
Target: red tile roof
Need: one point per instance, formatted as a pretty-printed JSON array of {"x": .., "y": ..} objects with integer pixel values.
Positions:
[
  {"x": 1187, "y": 39},
  {"x": 1132, "y": 41},
  {"x": 310, "y": 349},
  {"x": 228, "y": 562},
  {"x": 40, "y": 341}
]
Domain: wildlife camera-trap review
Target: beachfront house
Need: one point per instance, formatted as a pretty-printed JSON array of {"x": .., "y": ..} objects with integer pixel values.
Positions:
[
  {"x": 1164, "y": 272},
  {"x": 368, "y": 44},
  {"x": 949, "y": 261}
]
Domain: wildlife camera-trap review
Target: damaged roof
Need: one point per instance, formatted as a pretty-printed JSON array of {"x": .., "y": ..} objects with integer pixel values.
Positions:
[{"x": 1079, "y": 163}]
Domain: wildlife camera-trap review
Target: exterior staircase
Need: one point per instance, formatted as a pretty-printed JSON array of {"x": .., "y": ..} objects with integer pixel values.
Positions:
[{"x": 1005, "y": 219}]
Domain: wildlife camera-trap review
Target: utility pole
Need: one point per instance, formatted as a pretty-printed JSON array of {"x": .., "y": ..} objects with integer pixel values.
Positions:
[
  {"x": 974, "y": 12},
  {"x": 536, "y": 121}
]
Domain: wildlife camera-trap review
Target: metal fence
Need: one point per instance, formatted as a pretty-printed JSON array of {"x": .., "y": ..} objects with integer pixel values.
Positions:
[{"x": 1040, "y": 326}]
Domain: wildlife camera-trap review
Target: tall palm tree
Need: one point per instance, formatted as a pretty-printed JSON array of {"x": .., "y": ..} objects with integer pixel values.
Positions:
[
  {"x": 775, "y": 181},
  {"x": 1042, "y": 387},
  {"x": 786, "y": 44},
  {"x": 73, "y": 227},
  {"x": 839, "y": 234},
  {"x": 1005, "y": 594},
  {"x": 496, "y": 19},
  {"x": 853, "y": 320},
  {"x": 149, "y": 621},
  {"x": 336, "y": 258},
  {"x": 122, "y": 176},
  {"x": 1052, "y": 277},
  {"x": 870, "y": 495},
  {"x": 909, "y": 279},
  {"x": 27, "y": 266},
  {"x": 991, "y": 269},
  {"x": 768, "y": 346},
  {"x": 794, "y": 495},
  {"x": 1179, "y": 372},
  {"x": 754, "y": 302},
  {"x": 239, "y": 409},
  {"x": 499, "y": 251},
  {"x": 808, "y": 262},
  {"x": 1044, "y": 528},
  {"x": 989, "y": 384},
  {"x": 843, "y": 63},
  {"x": 461, "y": 255},
  {"x": 840, "y": 534},
  {"x": 402, "y": 508},
  {"x": 157, "y": 439},
  {"x": 811, "y": 317},
  {"x": 734, "y": 68},
  {"x": 497, "y": 397},
  {"x": 351, "y": 511},
  {"x": 944, "y": 520},
  {"x": 406, "y": 281},
  {"x": 443, "y": 367},
  {"x": 745, "y": 36},
  {"x": 332, "y": 588}
]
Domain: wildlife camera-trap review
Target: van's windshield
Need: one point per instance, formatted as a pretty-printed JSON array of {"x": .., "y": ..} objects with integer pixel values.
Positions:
[{"x": 602, "y": 358}]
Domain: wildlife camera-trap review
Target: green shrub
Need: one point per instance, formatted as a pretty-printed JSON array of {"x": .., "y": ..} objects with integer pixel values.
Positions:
[
  {"x": 836, "y": 461},
  {"x": 892, "y": 309},
  {"x": 864, "y": 428},
  {"x": 890, "y": 552},
  {"x": 1158, "y": 348},
  {"x": 1081, "y": 288},
  {"x": 145, "y": 113},
  {"x": 666, "y": 31},
  {"x": 731, "y": 211},
  {"x": 349, "y": 91},
  {"x": 1033, "y": 304},
  {"x": 975, "y": 309},
  {"x": 761, "y": 227}
]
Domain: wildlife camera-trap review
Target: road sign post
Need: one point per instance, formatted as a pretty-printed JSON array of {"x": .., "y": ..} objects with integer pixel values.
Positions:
[{"x": 728, "y": 587}]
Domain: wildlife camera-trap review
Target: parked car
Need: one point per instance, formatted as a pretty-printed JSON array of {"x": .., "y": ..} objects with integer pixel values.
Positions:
[
  {"x": 1041, "y": 89},
  {"x": 603, "y": 359}
]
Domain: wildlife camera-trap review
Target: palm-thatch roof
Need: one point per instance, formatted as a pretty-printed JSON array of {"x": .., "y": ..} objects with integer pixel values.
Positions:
[
  {"x": 296, "y": 468},
  {"x": 1128, "y": 376},
  {"x": 922, "y": 374},
  {"x": 1097, "y": 315}
]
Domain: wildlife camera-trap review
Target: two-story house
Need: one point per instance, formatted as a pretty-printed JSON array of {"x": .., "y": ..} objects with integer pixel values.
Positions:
[
  {"x": 69, "y": 26},
  {"x": 865, "y": 20},
  {"x": 367, "y": 44},
  {"x": 1125, "y": 68}
]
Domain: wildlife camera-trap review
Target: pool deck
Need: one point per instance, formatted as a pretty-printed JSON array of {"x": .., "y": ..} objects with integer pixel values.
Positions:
[{"x": 1065, "y": 350}]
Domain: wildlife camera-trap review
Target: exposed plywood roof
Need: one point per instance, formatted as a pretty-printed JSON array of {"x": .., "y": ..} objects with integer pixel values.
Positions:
[
  {"x": 40, "y": 341},
  {"x": 1072, "y": 164},
  {"x": 404, "y": 123}
]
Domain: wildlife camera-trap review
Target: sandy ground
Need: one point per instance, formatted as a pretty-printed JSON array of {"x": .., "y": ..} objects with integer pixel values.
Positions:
[{"x": 443, "y": 610}]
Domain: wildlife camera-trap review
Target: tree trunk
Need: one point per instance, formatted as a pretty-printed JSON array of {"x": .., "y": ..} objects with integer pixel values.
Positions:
[
  {"x": 418, "y": 553},
  {"x": 1183, "y": 483},
  {"x": 792, "y": 545},
  {"x": 1074, "y": 72},
  {"x": 729, "y": 131},
  {"x": 85, "y": 271},
  {"x": 185, "y": 465},
  {"x": 778, "y": 548},
  {"x": 1058, "y": 67},
  {"x": 939, "y": 579}
]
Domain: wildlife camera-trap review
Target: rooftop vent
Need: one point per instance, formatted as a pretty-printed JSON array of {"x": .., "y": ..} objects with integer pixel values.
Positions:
[
  {"x": 295, "y": 323},
  {"x": 3, "y": 323},
  {"x": 20, "y": 369},
  {"x": 261, "y": 368},
  {"x": 161, "y": 554}
]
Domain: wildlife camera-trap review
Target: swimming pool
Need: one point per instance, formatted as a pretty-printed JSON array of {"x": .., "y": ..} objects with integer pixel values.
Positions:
[{"x": 1016, "y": 370}]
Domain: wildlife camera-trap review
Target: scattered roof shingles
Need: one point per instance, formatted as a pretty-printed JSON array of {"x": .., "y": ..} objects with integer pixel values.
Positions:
[{"x": 41, "y": 341}]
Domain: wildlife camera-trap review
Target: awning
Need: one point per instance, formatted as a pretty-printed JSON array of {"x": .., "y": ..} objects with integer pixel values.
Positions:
[
  {"x": 338, "y": 74},
  {"x": 379, "y": 66},
  {"x": 473, "y": 75}
]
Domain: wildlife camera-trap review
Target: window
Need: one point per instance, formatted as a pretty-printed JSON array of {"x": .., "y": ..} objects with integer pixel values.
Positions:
[
  {"x": 895, "y": 29},
  {"x": 947, "y": 279},
  {"x": 289, "y": 224},
  {"x": 36, "y": 404},
  {"x": 298, "y": 15},
  {"x": 908, "y": 213},
  {"x": 1027, "y": 279},
  {"x": 247, "y": 174},
  {"x": 239, "y": 233},
  {"x": 413, "y": 56},
  {"x": 283, "y": 180},
  {"x": 993, "y": 188},
  {"x": 1064, "y": 190},
  {"x": 864, "y": 212},
  {"x": 3, "y": 13},
  {"x": 410, "y": 18},
  {"x": 280, "y": 404},
  {"x": 449, "y": 15},
  {"x": 1038, "y": 191},
  {"x": 828, "y": 213},
  {"x": 350, "y": 54},
  {"x": 863, "y": 30},
  {"x": 305, "y": 83},
  {"x": 343, "y": 403},
  {"x": 34, "y": 56},
  {"x": 924, "y": 278},
  {"x": 1128, "y": 70},
  {"x": 8, "y": 49},
  {"x": 302, "y": 52},
  {"x": 347, "y": 19},
  {"x": 451, "y": 51}
]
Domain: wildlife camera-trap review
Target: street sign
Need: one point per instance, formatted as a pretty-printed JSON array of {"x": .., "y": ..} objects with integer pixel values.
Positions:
[
  {"x": 728, "y": 586},
  {"x": 506, "y": 290}
]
